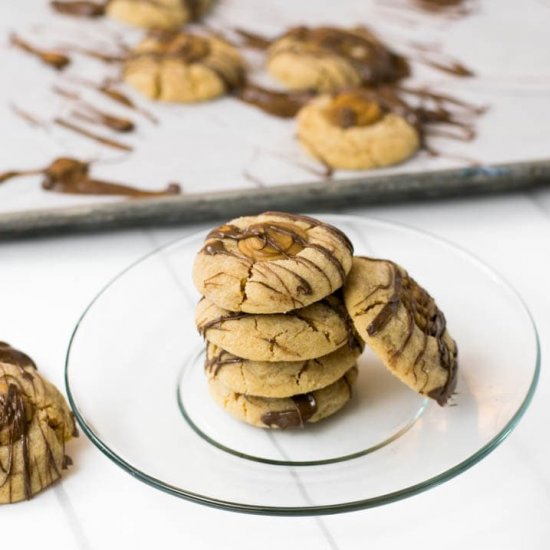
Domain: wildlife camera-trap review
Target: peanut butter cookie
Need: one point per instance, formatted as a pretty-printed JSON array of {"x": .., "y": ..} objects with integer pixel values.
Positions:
[
  {"x": 306, "y": 333},
  {"x": 278, "y": 379},
  {"x": 353, "y": 130},
  {"x": 35, "y": 423},
  {"x": 289, "y": 412},
  {"x": 402, "y": 324},
  {"x": 157, "y": 14},
  {"x": 183, "y": 67},
  {"x": 328, "y": 59},
  {"x": 271, "y": 263}
]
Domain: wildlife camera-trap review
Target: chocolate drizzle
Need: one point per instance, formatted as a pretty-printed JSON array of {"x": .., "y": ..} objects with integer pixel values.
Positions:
[
  {"x": 15, "y": 357},
  {"x": 67, "y": 175},
  {"x": 253, "y": 40},
  {"x": 79, "y": 8},
  {"x": 72, "y": 127},
  {"x": 335, "y": 303},
  {"x": 374, "y": 62},
  {"x": 190, "y": 49},
  {"x": 280, "y": 104},
  {"x": 266, "y": 233},
  {"x": 110, "y": 121},
  {"x": 14, "y": 427},
  {"x": 305, "y": 406},
  {"x": 106, "y": 89},
  {"x": 421, "y": 312},
  {"x": 53, "y": 59},
  {"x": 457, "y": 7},
  {"x": 219, "y": 359},
  {"x": 219, "y": 321},
  {"x": 434, "y": 110},
  {"x": 312, "y": 222},
  {"x": 274, "y": 240}
]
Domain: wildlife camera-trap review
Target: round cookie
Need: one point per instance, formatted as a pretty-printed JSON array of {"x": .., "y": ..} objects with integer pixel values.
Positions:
[
  {"x": 157, "y": 14},
  {"x": 183, "y": 67},
  {"x": 328, "y": 59},
  {"x": 306, "y": 333},
  {"x": 402, "y": 324},
  {"x": 271, "y": 263},
  {"x": 278, "y": 379},
  {"x": 289, "y": 412},
  {"x": 35, "y": 423},
  {"x": 354, "y": 130}
]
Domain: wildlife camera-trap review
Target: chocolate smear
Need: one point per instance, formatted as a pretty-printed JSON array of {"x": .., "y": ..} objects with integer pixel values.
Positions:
[
  {"x": 305, "y": 406},
  {"x": 79, "y": 8},
  {"x": 54, "y": 59},
  {"x": 280, "y": 104},
  {"x": 71, "y": 176},
  {"x": 253, "y": 40},
  {"x": 91, "y": 135}
]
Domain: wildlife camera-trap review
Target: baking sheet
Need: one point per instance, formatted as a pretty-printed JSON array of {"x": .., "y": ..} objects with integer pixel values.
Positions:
[{"x": 226, "y": 147}]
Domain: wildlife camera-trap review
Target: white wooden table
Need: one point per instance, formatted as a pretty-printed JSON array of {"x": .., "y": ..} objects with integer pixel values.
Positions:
[{"x": 502, "y": 503}]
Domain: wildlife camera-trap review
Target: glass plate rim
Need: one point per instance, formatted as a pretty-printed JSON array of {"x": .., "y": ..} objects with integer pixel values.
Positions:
[{"x": 329, "y": 508}]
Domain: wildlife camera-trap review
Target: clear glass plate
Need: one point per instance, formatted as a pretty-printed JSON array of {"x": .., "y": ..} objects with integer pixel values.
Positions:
[{"x": 135, "y": 381}]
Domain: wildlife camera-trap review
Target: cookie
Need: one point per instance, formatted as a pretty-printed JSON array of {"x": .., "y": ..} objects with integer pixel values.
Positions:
[
  {"x": 306, "y": 333},
  {"x": 328, "y": 59},
  {"x": 278, "y": 379},
  {"x": 271, "y": 263},
  {"x": 183, "y": 67},
  {"x": 157, "y": 14},
  {"x": 352, "y": 131},
  {"x": 35, "y": 423},
  {"x": 289, "y": 412},
  {"x": 402, "y": 324}
]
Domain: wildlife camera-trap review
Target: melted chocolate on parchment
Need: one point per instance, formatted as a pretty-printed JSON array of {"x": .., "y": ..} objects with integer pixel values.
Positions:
[
  {"x": 67, "y": 175},
  {"x": 79, "y": 8},
  {"x": 53, "y": 59},
  {"x": 85, "y": 8},
  {"x": 280, "y": 104}
]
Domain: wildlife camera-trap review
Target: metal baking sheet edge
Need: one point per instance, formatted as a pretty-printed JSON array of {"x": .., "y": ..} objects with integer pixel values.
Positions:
[{"x": 319, "y": 195}]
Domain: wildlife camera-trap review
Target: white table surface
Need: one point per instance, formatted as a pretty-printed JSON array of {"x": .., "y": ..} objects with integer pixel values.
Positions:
[{"x": 503, "y": 502}]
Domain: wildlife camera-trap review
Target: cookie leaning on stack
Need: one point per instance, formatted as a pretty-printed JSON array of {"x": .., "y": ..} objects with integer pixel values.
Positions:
[{"x": 281, "y": 348}]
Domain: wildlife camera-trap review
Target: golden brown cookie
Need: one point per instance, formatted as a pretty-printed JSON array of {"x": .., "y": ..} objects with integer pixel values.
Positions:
[
  {"x": 328, "y": 59},
  {"x": 183, "y": 67},
  {"x": 289, "y": 412},
  {"x": 278, "y": 379},
  {"x": 271, "y": 263},
  {"x": 35, "y": 423},
  {"x": 352, "y": 130},
  {"x": 402, "y": 324},
  {"x": 306, "y": 333},
  {"x": 157, "y": 14}
]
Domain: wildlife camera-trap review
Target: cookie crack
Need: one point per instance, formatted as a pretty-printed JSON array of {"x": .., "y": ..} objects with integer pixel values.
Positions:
[
  {"x": 243, "y": 283},
  {"x": 302, "y": 370}
]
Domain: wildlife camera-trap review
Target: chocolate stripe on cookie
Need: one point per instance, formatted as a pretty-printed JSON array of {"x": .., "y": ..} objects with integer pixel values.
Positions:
[
  {"x": 421, "y": 311},
  {"x": 305, "y": 407}
]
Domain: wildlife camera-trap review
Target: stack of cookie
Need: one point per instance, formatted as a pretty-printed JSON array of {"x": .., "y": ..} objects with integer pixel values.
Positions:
[{"x": 281, "y": 349}]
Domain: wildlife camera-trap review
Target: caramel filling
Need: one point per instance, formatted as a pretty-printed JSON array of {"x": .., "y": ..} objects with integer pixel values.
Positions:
[
  {"x": 271, "y": 241},
  {"x": 349, "y": 109}
]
